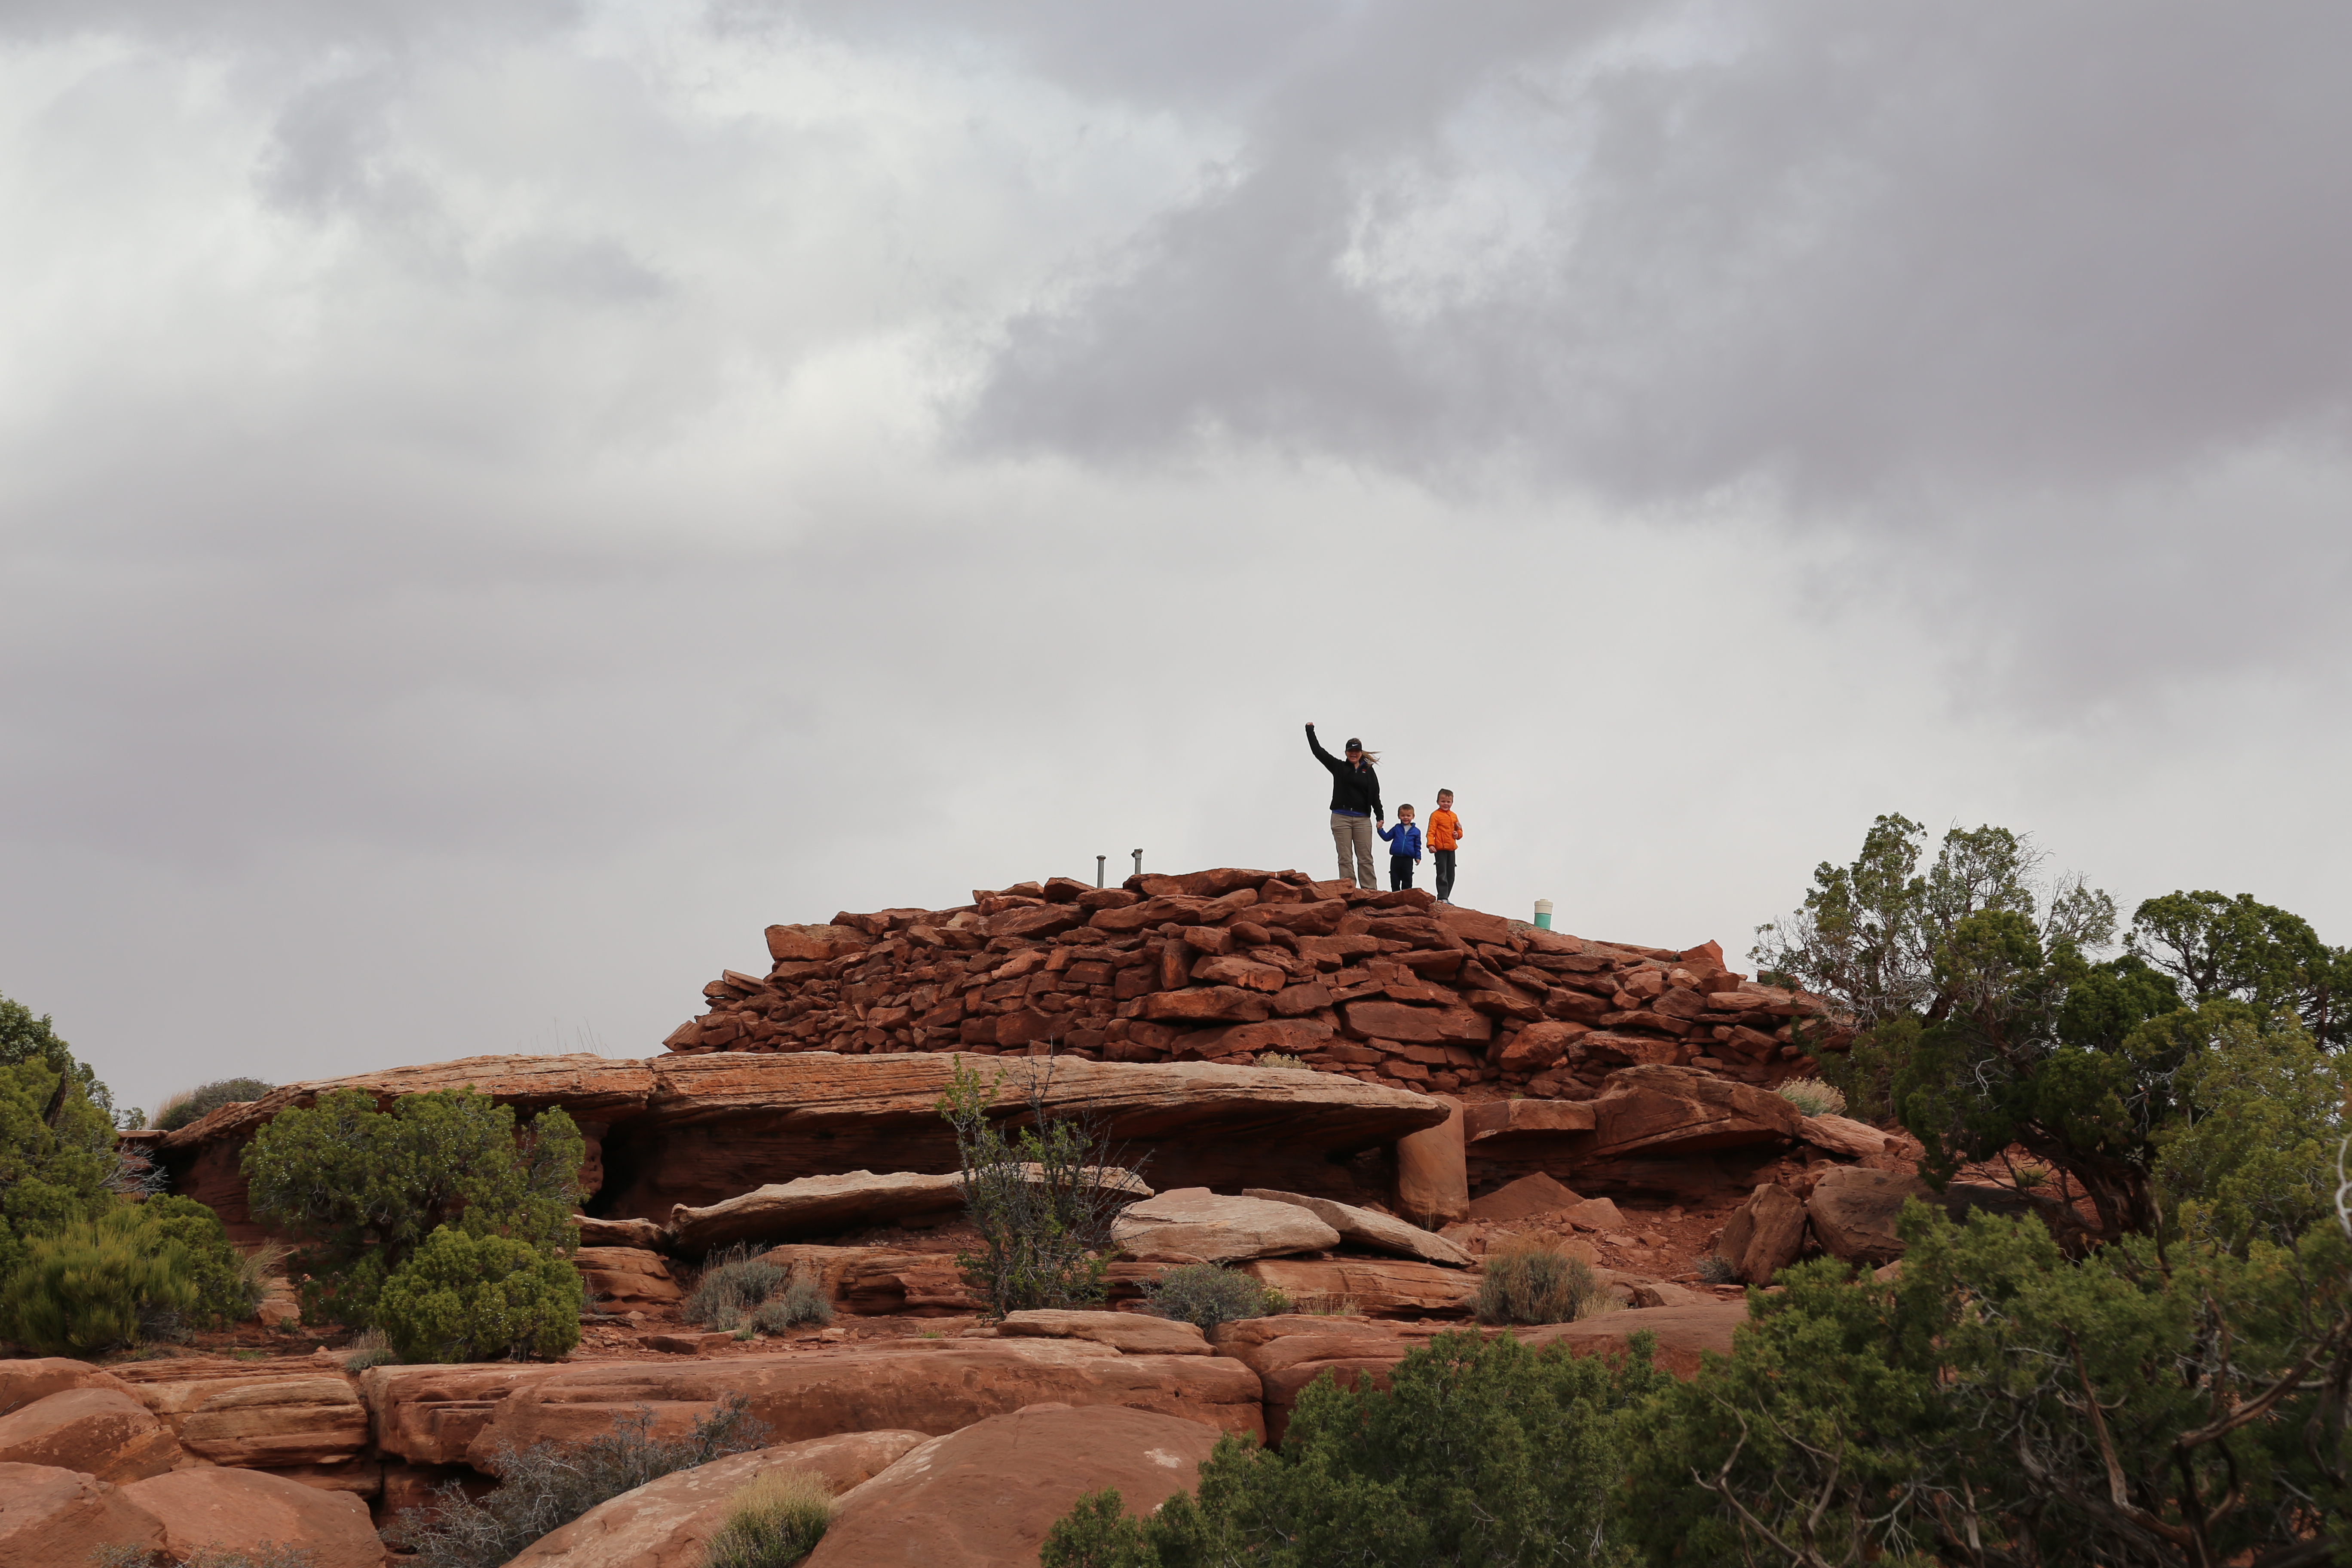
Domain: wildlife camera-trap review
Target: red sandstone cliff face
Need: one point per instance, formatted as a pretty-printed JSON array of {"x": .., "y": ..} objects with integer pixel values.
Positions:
[{"x": 1229, "y": 965}]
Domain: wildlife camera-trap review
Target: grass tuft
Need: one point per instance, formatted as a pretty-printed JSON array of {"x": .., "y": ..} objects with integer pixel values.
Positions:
[{"x": 773, "y": 1523}]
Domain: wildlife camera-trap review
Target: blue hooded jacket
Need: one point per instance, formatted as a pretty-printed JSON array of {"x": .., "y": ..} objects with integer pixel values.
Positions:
[{"x": 1403, "y": 839}]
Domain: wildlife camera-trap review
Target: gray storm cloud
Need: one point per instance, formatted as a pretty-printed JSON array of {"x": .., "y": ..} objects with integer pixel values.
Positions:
[{"x": 499, "y": 501}]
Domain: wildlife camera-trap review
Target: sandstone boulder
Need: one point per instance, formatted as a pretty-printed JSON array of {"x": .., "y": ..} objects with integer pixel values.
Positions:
[
  {"x": 873, "y": 1280},
  {"x": 1853, "y": 1212},
  {"x": 1684, "y": 1333},
  {"x": 243, "y": 1510},
  {"x": 1432, "y": 1172},
  {"x": 917, "y": 1385},
  {"x": 1655, "y": 1109},
  {"x": 986, "y": 1495},
  {"x": 1523, "y": 1199},
  {"x": 1516, "y": 1126},
  {"x": 1538, "y": 1045},
  {"x": 102, "y": 1431},
  {"x": 316, "y": 1420},
  {"x": 626, "y": 1276},
  {"x": 1194, "y": 1223},
  {"x": 1288, "y": 1354},
  {"x": 669, "y": 1522},
  {"x": 51, "y": 1517},
  {"x": 1368, "y": 1229},
  {"x": 431, "y": 1414},
  {"x": 1765, "y": 1236},
  {"x": 1594, "y": 1213},
  {"x": 1377, "y": 1286},
  {"x": 1134, "y": 1333}
]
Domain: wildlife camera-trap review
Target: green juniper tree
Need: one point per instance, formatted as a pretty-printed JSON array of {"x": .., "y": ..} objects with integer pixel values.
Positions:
[{"x": 361, "y": 1189}]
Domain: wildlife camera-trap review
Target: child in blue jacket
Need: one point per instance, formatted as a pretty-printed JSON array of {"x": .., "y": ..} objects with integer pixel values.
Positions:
[{"x": 1404, "y": 848}]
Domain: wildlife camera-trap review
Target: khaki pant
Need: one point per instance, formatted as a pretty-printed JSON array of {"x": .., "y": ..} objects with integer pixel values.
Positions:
[{"x": 1355, "y": 833}]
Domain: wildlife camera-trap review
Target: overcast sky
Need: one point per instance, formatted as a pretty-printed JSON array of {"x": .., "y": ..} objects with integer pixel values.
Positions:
[{"x": 502, "y": 499}]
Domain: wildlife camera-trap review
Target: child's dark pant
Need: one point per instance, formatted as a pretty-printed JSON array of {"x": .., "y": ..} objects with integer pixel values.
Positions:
[
  {"x": 1400, "y": 872},
  {"x": 1444, "y": 859}
]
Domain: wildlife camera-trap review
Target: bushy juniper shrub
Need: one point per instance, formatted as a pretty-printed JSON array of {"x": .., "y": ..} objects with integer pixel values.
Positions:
[
  {"x": 1480, "y": 1451},
  {"x": 799, "y": 1304},
  {"x": 731, "y": 1286},
  {"x": 1207, "y": 1294},
  {"x": 1536, "y": 1284},
  {"x": 57, "y": 1159},
  {"x": 773, "y": 1523},
  {"x": 1813, "y": 1097},
  {"x": 228, "y": 1288},
  {"x": 182, "y": 1109},
  {"x": 463, "y": 1298},
  {"x": 1043, "y": 1198},
  {"x": 361, "y": 1189},
  {"x": 547, "y": 1485},
  {"x": 100, "y": 1285}
]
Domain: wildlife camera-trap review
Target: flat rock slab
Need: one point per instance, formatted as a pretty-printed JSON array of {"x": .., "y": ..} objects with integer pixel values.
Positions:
[
  {"x": 1656, "y": 1108},
  {"x": 1132, "y": 1334},
  {"x": 51, "y": 1517},
  {"x": 1376, "y": 1286},
  {"x": 604, "y": 1233},
  {"x": 986, "y": 1495},
  {"x": 1195, "y": 1223},
  {"x": 669, "y": 1522},
  {"x": 243, "y": 1510},
  {"x": 299, "y": 1420},
  {"x": 1365, "y": 1227},
  {"x": 705, "y": 1128},
  {"x": 102, "y": 1431},
  {"x": 821, "y": 1205},
  {"x": 1684, "y": 1333},
  {"x": 923, "y": 1385},
  {"x": 1524, "y": 1198},
  {"x": 1503, "y": 1127}
]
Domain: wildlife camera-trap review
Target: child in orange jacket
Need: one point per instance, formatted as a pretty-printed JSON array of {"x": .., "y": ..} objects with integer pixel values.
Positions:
[{"x": 1444, "y": 833}]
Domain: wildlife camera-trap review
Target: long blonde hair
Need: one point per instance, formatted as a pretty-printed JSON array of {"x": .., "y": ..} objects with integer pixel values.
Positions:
[{"x": 1371, "y": 759}]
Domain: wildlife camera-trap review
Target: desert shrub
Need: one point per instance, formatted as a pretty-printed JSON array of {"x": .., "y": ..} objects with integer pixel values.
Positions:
[
  {"x": 1536, "y": 1284},
  {"x": 731, "y": 1286},
  {"x": 268, "y": 1554},
  {"x": 58, "y": 1161},
  {"x": 1279, "y": 1059},
  {"x": 227, "y": 1287},
  {"x": 1207, "y": 1294},
  {"x": 117, "y": 1280},
  {"x": 1717, "y": 1269},
  {"x": 1813, "y": 1097},
  {"x": 802, "y": 1301},
  {"x": 773, "y": 1523},
  {"x": 1480, "y": 1451},
  {"x": 189, "y": 1105},
  {"x": 361, "y": 1189},
  {"x": 369, "y": 1348},
  {"x": 1043, "y": 1198},
  {"x": 547, "y": 1485},
  {"x": 2000, "y": 1403},
  {"x": 464, "y": 1297}
]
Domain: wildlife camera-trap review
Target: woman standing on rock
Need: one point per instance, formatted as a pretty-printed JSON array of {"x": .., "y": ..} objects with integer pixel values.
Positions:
[{"x": 1355, "y": 806}]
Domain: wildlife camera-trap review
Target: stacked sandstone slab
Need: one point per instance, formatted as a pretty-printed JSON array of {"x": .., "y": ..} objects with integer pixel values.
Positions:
[{"x": 1227, "y": 965}]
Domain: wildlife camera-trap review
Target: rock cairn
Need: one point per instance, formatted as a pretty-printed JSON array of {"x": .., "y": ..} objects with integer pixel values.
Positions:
[{"x": 1230, "y": 965}]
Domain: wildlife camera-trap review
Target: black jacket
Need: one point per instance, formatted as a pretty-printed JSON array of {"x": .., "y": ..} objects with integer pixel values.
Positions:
[{"x": 1352, "y": 789}]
